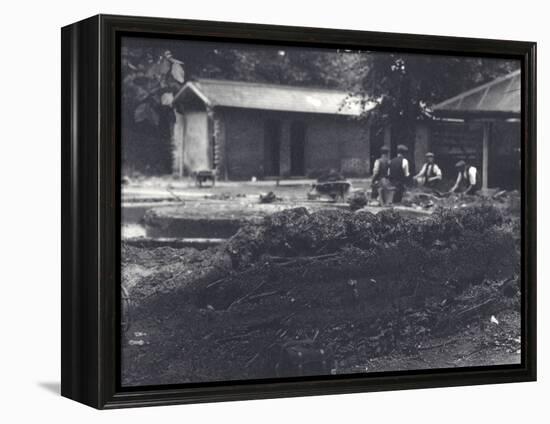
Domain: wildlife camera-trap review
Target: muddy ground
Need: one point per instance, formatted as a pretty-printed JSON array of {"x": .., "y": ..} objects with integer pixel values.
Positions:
[{"x": 328, "y": 292}]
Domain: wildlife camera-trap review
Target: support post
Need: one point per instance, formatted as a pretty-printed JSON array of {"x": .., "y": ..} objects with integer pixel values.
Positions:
[
  {"x": 421, "y": 145},
  {"x": 485, "y": 155},
  {"x": 177, "y": 143}
]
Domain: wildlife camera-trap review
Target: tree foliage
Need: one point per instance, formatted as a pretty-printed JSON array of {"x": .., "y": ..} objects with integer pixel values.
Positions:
[{"x": 402, "y": 86}]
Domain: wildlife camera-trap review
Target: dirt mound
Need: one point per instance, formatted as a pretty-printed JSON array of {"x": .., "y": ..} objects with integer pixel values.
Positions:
[
  {"x": 355, "y": 286},
  {"x": 297, "y": 232},
  {"x": 339, "y": 244},
  {"x": 328, "y": 241}
]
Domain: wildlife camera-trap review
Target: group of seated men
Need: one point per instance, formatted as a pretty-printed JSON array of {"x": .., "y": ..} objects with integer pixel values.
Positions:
[{"x": 390, "y": 177}]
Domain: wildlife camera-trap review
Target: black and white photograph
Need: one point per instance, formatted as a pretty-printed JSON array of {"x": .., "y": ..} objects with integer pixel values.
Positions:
[{"x": 293, "y": 212}]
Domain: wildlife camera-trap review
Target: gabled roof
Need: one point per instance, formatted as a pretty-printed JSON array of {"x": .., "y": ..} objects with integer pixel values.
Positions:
[
  {"x": 502, "y": 96},
  {"x": 271, "y": 97}
]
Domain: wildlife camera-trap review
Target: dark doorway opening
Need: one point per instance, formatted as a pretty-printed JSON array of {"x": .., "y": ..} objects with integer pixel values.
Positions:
[
  {"x": 297, "y": 149},
  {"x": 272, "y": 148}
]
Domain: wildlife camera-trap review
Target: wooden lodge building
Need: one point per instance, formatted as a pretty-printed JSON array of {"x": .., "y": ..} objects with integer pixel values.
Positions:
[{"x": 246, "y": 130}]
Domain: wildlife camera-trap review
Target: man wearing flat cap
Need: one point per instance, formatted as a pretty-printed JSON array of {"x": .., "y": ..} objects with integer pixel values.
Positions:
[
  {"x": 467, "y": 180},
  {"x": 399, "y": 172},
  {"x": 380, "y": 174},
  {"x": 430, "y": 175}
]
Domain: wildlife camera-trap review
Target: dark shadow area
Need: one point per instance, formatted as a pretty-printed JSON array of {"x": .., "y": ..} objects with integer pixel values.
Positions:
[{"x": 51, "y": 386}]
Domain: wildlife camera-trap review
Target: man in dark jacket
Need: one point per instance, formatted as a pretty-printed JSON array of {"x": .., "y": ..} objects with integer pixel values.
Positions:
[
  {"x": 380, "y": 172},
  {"x": 399, "y": 172}
]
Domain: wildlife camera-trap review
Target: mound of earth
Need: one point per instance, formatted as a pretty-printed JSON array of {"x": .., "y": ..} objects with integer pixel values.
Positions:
[{"x": 327, "y": 292}]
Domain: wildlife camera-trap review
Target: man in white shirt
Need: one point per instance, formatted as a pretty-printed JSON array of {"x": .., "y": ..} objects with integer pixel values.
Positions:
[
  {"x": 467, "y": 180},
  {"x": 430, "y": 175}
]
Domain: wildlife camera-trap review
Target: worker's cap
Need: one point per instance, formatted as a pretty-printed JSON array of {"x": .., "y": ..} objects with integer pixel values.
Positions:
[
  {"x": 460, "y": 164},
  {"x": 384, "y": 149},
  {"x": 402, "y": 148},
  {"x": 430, "y": 155}
]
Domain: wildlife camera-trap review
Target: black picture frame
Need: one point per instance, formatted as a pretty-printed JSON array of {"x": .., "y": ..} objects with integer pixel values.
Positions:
[{"x": 91, "y": 211}]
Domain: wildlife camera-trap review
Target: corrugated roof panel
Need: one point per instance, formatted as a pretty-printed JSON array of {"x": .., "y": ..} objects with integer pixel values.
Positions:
[
  {"x": 273, "y": 97},
  {"x": 502, "y": 95},
  {"x": 472, "y": 101}
]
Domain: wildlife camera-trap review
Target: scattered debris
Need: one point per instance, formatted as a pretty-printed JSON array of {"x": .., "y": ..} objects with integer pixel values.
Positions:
[
  {"x": 357, "y": 200},
  {"x": 331, "y": 184},
  {"x": 203, "y": 176},
  {"x": 220, "y": 196},
  {"x": 269, "y": 198},
  {"x": 335, "y": 190}
]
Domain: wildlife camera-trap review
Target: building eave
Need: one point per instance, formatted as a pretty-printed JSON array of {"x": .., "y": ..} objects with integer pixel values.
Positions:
[
  {"x": 476, "y": 114},
  {"x": 190, "y": 86}
]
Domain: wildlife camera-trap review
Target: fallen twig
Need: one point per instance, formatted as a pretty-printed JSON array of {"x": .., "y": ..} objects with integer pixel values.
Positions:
[
  {"x": 284, "y": 259},
  {"x": 237, "y": 337},
  {"x": 251, "y": 360},
  {"x": 306, "y": 259},
  {"x": 246, "y": 296},
  {"x": 264, "y": 294},
  {"x": 174, "y": 195},
  {"x": 315, "y": 335},
  {"x": 215, "y": 283},
  {"x": 476, "y": 307},
  {"x": 437, "y": 345},
  {"x": 473, "y": 352}
]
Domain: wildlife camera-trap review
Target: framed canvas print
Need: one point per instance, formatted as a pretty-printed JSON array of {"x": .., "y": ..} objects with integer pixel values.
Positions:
[{"x": 254, "y": 211}]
